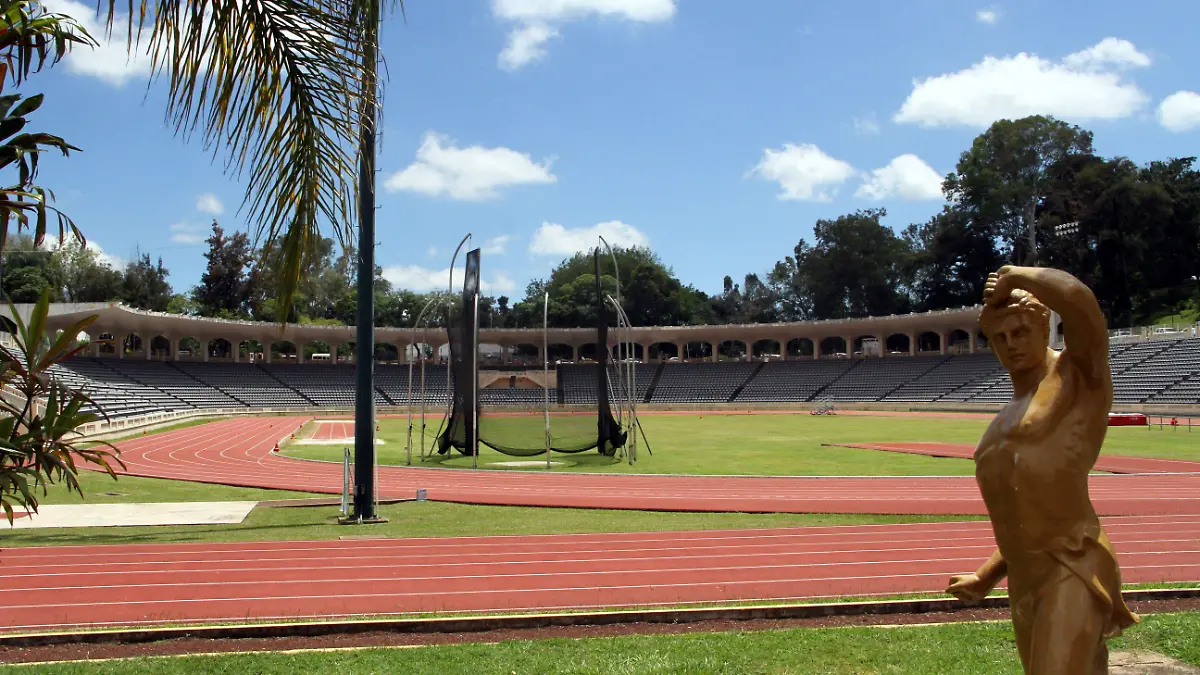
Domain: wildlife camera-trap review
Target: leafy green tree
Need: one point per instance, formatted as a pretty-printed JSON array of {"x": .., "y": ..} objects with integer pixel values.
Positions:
[
  {"x": 182, "y": 304},
  {"x": 144, "y": 284},
  {"x": 30, "y": 271},
  {"x": 224, "y": 288},
  {"x": 1002, "y": 178},
  {"x": 856, "y": 267},
  {"x": 84, "y": 276},
  {"x": 950, "y": 260},
  {"x": 648, "y": 289}
]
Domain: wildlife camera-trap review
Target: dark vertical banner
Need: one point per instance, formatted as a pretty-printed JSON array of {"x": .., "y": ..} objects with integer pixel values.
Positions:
[
  {"x": 468, "y": 370},
  {"x": 602, "y": 356}
]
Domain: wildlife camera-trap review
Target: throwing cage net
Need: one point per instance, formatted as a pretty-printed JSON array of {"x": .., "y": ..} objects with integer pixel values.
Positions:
[{"x": 533, "y": 430}]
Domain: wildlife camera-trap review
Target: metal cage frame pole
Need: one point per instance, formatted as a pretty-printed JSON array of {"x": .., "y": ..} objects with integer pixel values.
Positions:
[
  {"x": 546, "y": 368},
  {"x": 421, "y": 358},
  {"x": 408, "y": 401},
  {"x": 623, "y": 318},
  {"x": 474, "y": 422}
]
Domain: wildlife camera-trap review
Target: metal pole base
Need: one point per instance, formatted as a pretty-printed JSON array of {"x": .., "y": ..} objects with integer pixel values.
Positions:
[{"x": 355, "y": 520}]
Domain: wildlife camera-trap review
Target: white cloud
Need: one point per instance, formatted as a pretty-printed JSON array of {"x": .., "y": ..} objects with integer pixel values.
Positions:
[
  {"x": 866, "y": 125},
  {"x": 987, "y": 16},
  {"x": 1180, "y": 111},
  {"x": 1011, "y": 87},
  {"x": 554, "y": 239},
  {"x": 111, "y": 61},
  {"x": 535, "y": 20},
  {"x": 646, "y": 11},
  {"x": 496, "y": 245},
  {"x": 431, "y": 252},
  {"x": 51, "y": 242},
  {"x": 209, "y": 203},
  {"x": 188, "y": 233},
  {"x": 469, "y": 174},
  {"x": 422, "y": 279},
  {"x": 803, "y": 171},
  {"x": 525, "y": 45},
  {"x": 906, "y": 177},
  {"x": 1110, "y": 51}
]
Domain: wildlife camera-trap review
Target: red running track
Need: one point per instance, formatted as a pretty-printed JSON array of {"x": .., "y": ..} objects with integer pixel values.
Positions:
[
  {"x": 1110, "y": 463},
  {"x": 238, "y": 452},
  {"x": 331, "y": 430},
  {"x": 55, "y": 587}
]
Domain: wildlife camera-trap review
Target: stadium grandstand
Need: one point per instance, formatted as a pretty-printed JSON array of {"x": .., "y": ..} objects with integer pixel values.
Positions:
[{"x": 932, "y": 360}]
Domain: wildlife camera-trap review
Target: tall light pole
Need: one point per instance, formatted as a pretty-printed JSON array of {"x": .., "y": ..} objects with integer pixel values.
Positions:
[{"x": 364, "y": 393}]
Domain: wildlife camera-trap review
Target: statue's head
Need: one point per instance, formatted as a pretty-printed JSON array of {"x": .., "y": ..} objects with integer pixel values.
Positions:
[{"x": 1018, "y": 331}]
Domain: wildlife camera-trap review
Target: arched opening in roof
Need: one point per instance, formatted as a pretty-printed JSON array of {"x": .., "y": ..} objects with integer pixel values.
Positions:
[
  {"x": 834, "y": 348},
  {"x": 800, "y": 347}
]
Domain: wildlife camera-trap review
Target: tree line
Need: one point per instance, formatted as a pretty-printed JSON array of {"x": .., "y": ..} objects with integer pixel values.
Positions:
[{"x": 1030, "y": 191}]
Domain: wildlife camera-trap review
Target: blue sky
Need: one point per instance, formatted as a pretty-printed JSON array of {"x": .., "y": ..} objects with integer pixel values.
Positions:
[{"x": 714, "y": 132}]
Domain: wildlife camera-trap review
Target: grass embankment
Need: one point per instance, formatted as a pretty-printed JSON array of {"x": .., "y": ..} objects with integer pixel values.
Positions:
[
  {"x": 784, "y": 445},
  {"x": 944, "y": 649}
]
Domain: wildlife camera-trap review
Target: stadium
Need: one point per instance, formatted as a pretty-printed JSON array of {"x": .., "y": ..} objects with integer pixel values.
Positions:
[
  {"x": 860, "y": 430},
  {"x": 751, "y": 360}
]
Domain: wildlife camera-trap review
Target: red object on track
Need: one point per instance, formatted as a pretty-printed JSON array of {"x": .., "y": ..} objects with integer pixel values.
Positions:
[{"x": 1127, "y": 420}]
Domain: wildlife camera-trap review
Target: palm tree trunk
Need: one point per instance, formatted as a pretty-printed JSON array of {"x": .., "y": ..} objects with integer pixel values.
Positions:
[{"x": 364, "y": 399}]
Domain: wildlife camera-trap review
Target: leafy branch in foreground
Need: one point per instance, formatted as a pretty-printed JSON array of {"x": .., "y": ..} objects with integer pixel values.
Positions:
[
  {"x": 40, "y": 444},
  {"x": 29, "y": 38}
]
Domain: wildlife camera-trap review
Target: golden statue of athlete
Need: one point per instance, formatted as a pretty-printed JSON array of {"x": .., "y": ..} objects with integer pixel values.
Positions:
[{"x": 1032, "y": 466}]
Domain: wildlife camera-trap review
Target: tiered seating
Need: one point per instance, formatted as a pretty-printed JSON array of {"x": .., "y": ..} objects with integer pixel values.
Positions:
[
  {"x": 515, "y": 397},
  {"x": 112, "y": 394},
  {"x": 170, "y": 380},
  {"x": 1185, "y": 359},
  {"x": 948, "y": 376},
  {"x": 1165, "y": 372},
  {"x": 643, "y": 375},
  {"x": 793, "y": 380},
  {"x": 246, "y": 383},
  {"x": 1131, "y": 355},
  {"x": 131, "y": 390},
  {"x": 875, "y": 378},
  {"x": 323, "y": 384},
  {"x": 1158, "y": 373},
  {"x": 701, "y": 382},
  {"x": 577, "y": 383},
  {"x": 392, "y": 381}
]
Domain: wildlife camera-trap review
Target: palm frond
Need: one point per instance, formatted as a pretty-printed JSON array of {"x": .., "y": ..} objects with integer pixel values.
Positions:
[
  {"x": 33, "y": 36},
  {"x": 276, "y": 85}
]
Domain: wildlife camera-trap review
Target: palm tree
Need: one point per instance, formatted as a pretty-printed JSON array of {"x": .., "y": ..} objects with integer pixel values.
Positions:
[{"x": 289, "y": 90}]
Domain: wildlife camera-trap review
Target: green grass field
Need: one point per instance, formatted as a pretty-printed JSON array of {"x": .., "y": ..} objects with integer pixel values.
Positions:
[
  {"x": 758, "y": 445},
  {"x": 423, "y": 519},
  {"x": 944, "y": 649}
]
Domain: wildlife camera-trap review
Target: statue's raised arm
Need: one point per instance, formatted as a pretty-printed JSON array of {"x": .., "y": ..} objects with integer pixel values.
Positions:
[{"x": 1085, "y": 331}]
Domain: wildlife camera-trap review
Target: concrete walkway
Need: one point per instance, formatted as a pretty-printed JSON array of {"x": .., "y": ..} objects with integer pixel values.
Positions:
[{"x": 117, "y": 515}]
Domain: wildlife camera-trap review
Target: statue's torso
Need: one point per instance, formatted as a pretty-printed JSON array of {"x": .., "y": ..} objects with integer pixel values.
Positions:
[{"x": 1032, "y": 466}]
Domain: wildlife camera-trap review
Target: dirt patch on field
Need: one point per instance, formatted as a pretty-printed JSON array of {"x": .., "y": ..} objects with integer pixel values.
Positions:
[{"x": 76, "y": 652}]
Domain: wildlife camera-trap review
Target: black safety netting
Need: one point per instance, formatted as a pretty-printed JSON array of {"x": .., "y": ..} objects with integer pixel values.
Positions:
[{"x": 512, "y": 431}]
